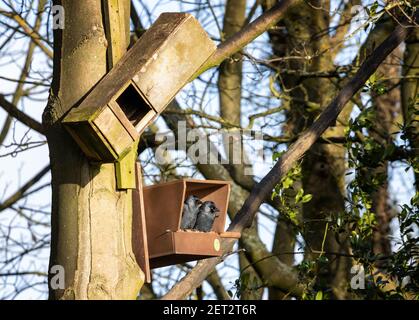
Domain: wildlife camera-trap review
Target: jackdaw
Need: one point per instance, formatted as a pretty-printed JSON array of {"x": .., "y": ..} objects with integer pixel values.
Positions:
[
  {"x": 190, "y": 212},
  {"x": 206, "y": 216}
]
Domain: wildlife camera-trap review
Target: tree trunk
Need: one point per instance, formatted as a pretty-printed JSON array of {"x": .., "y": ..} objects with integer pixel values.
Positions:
[
  {"x": 283, "y": 246},
  {"x": 410, "y": 91},
  {"x": 230, "y": 94},
  {"x": 324, "y": 166},
  {"x": 387, "y": 108},
  {"x": 91, "y": 220}
]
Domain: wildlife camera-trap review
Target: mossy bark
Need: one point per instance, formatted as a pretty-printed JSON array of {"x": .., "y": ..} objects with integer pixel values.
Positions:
[{"x": 91, "y": 220}]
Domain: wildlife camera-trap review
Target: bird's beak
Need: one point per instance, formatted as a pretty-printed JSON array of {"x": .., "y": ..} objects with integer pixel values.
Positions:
[{"x": 217, "y": 214}]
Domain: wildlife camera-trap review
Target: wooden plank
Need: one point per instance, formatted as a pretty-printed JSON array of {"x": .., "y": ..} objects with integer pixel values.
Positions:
[
  {"x": 230, "y": 235},
  {"x": 144, "y": 122},
  {"x": 163, "y": 210},
  {"x": 114, "y": 131},
  {"x": 91, "y": 141},
  {"x": 125, "y": 169},
  {"x": 139, "y": 227},
  {"x": 183, "y": 246},
  {"x": 123, "y": 119},
  {"x": 115, "y": 30},
  {"x": 175, "y": 61},
  {"x": 80, "y": 129}
]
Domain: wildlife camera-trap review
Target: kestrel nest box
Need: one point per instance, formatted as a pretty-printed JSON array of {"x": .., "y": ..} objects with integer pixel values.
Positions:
[
  {"x": 167, "y": 243},
  {"x": 124, "y": 102}
]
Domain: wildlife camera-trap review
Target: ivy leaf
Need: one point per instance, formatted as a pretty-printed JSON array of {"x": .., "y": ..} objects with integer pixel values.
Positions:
[
  {"x": 379, "y": 88},
  {"x": 277, "y": 155},
  {"x": 292, "y": 215},
  {"x": 299, "y": 195},
  {"x": 307, "y": 198},
  {"x": 373, "y": 9},
  {"x": 319, "y": 295},
  {"x": 287, "y": 183}
]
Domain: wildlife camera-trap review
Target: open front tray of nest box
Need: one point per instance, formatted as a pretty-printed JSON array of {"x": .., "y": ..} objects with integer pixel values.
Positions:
[
  {"x": 140, "y": 86},
  {"x": 167, "y": 243}
]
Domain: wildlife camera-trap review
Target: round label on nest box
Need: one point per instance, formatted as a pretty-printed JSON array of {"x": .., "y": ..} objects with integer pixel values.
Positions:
[{"x": 217, "y": 245}]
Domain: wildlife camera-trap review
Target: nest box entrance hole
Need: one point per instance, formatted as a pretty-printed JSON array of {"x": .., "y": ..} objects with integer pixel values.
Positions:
[{"x": 133, "y": 105}]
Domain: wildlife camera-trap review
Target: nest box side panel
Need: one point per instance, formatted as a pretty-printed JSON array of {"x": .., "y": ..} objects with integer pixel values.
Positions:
[
  {"x": 114, "y": 131},
  {"x": 139, "y": 229},
  {"x": 163, "y": 205},
  {"x": 185, "y": 50},
  {"x": 91, "y": 142},
  {"x": 178, "y": 247},
  {"x": 161, "y": 245},
  {"x": 105, "y": 137},
  {"x": 197, "y": 243},
  {"x": 119, "y": 114}
]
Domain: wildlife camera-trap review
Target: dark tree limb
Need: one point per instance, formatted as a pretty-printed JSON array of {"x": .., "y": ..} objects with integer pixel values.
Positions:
[
  {"x": 215, "y": 282},
  {"x": 22, "y": 191},
  {"x": 136, "y": 21},
  {"x": 13, "y": 111},
  {"x": 24, "y": 72}
]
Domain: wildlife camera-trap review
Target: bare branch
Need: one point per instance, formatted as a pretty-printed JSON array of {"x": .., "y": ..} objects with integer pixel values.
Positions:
[
  {"x": 13, "y": 111},
  {"x": 250, "y": 32},
  {"x": 22, "y": 191},
  {"x": 35, "y": 37}
]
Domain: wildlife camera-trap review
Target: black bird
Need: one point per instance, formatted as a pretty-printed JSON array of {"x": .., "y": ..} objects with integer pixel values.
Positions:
[
  {"x": 190, "y": 212},
  {"x": 206, "y": 216}
]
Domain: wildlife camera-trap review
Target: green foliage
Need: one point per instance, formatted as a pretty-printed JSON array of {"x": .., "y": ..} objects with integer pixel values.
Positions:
[
  {"x": 285, "y": 191},
  {"x": 373, "y": 15},
  {"x": 409, "y": 132},
  {"x": 319, "y": 295},
  {"x": 245, "y": 283},
  {"x": 364, "y": 155},
  {"x": 358, "y": 220},
  {"x": 372, "y": 10},
  {"x": 404, "y": 263},
  {"x": 375, "y": 86}
]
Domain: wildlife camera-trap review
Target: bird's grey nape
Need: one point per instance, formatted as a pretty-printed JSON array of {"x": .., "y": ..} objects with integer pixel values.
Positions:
[
  {"x": 206, "y": 216},
  {"x": 190, "y": 212}
]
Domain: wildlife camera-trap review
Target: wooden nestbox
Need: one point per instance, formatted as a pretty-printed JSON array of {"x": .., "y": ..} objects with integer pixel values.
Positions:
[
  {"x": 163, "y": 203},
  {"x": 139, "y": 87}
]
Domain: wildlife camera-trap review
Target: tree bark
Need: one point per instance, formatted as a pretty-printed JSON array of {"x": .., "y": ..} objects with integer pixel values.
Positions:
[
  {"x": 409, "y": 92},
  {"x": 324, "y": 164},
  {"x": 387, "y": 109},
  {"x": 91, "y": 221},
  {"x": 230, "y": 94}
]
